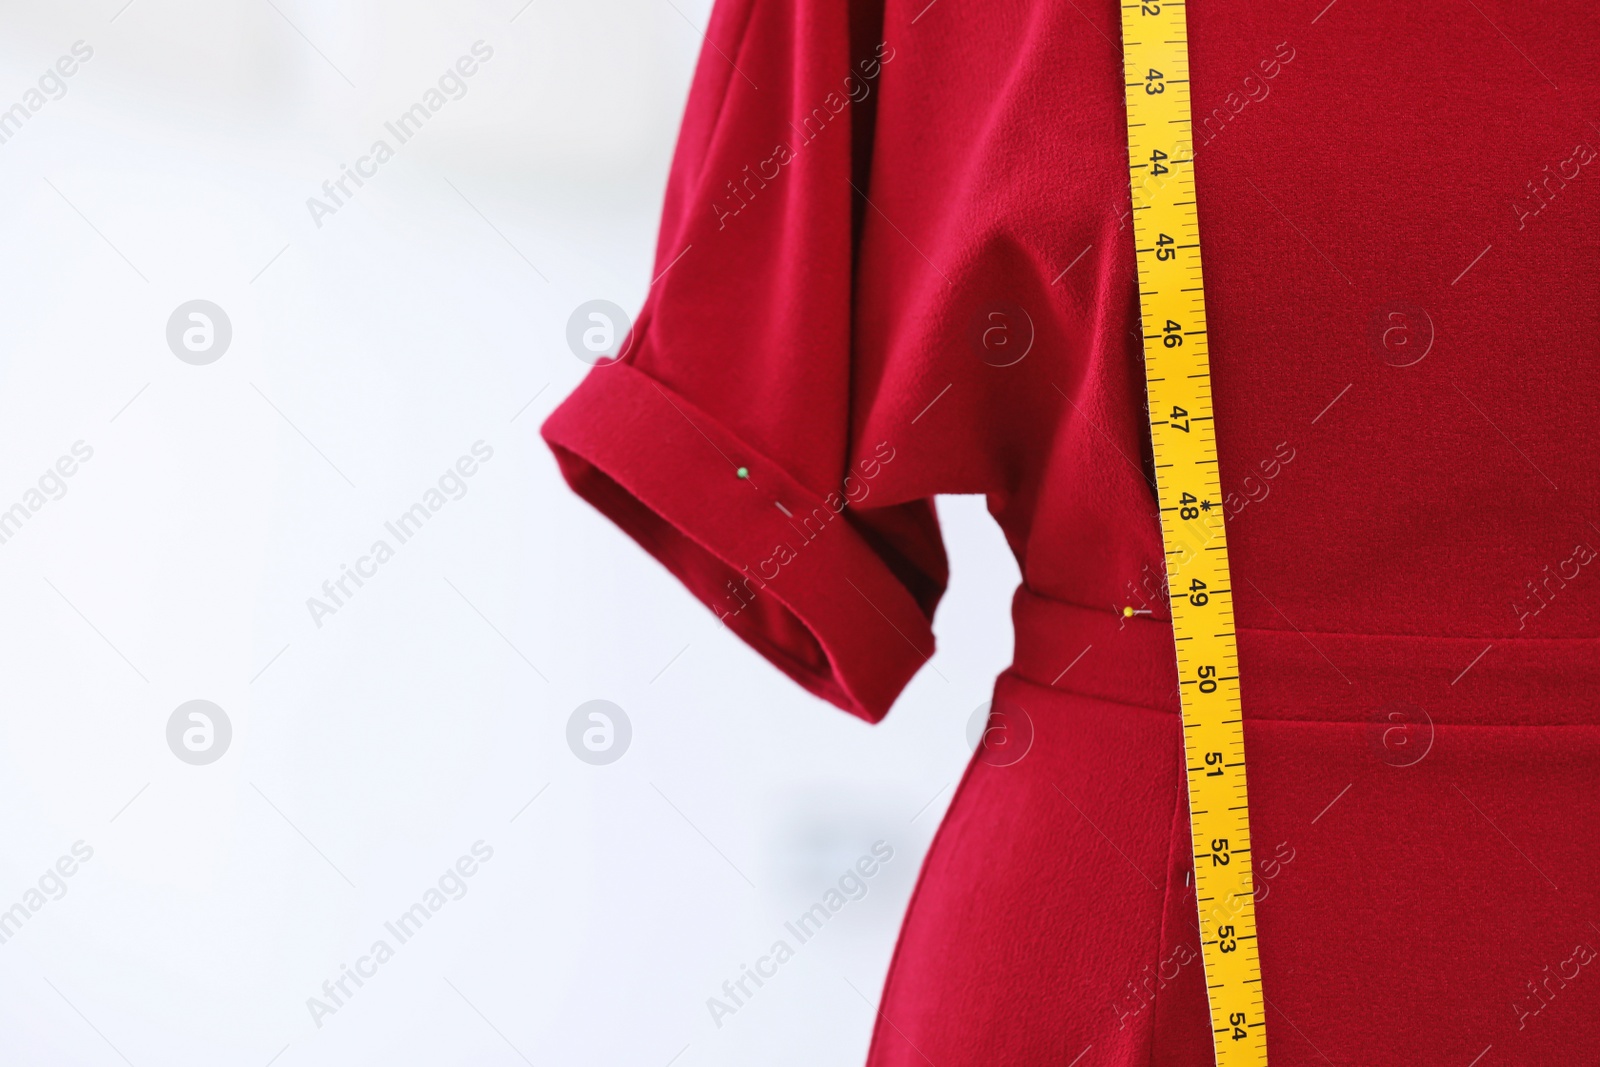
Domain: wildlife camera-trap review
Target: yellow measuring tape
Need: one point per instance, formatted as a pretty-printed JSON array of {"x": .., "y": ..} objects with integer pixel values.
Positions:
[{"x": 1155, "y": 43}]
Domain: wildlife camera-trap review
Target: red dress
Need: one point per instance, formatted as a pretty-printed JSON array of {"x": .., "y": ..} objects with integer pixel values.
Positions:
[{"x": 896, "y": 261}]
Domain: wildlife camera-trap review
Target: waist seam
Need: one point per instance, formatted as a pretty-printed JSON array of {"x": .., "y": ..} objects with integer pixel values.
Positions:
[{"x": 1382, "y": 635}]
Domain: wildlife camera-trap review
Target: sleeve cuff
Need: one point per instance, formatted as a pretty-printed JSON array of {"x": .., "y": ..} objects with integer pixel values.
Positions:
[{"x": 782, "y": 566}]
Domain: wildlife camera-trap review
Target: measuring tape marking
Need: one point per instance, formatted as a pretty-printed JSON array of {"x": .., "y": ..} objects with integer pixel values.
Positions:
[{"x": 1194, "y": 536}]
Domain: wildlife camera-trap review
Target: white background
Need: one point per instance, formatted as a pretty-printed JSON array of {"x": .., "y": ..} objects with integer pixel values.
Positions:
[{"x": 372, "y": 752}]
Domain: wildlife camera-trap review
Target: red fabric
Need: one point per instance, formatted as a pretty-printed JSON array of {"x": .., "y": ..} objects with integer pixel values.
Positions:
[{"x": 874, "y": 206}]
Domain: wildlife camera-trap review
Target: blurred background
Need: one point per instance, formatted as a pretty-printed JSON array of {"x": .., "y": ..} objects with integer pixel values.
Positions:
[{"x": 195, "y": 884}]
